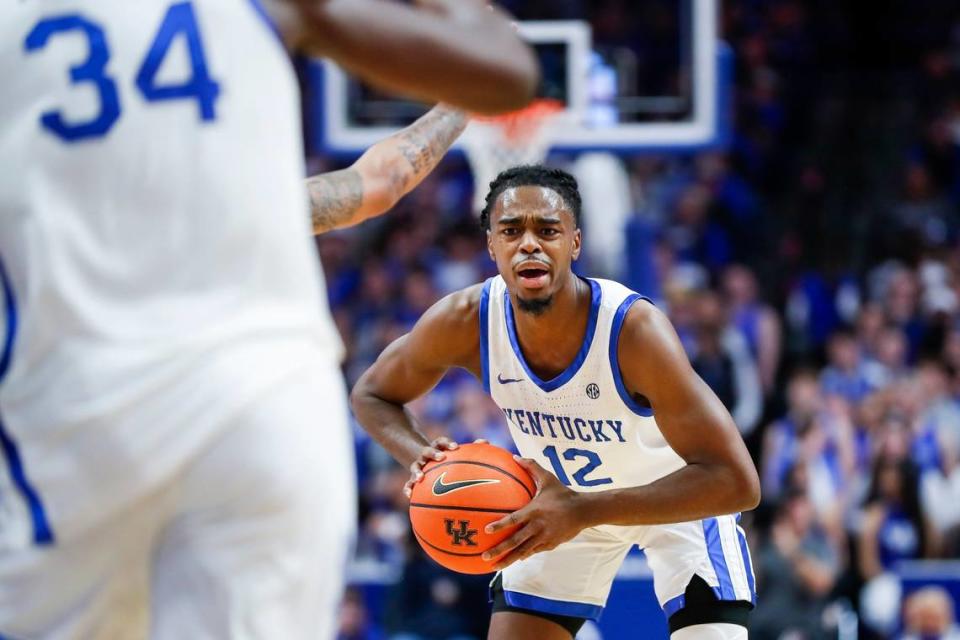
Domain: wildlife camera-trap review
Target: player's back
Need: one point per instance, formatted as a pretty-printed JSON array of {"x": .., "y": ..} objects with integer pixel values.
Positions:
[{"x": 157, "y": 260}]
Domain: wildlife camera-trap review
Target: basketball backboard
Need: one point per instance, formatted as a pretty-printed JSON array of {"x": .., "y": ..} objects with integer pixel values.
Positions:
[{"x": 658, "y": 83}]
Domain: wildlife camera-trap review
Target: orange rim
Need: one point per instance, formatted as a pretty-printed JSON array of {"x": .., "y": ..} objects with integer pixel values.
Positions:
[{"x": 517, "y": 124}]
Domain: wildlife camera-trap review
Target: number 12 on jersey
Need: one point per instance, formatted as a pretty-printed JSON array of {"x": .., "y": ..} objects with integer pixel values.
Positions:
[
  {"x": 180, "y": 19},
  {"x": 580, "y": 475}
]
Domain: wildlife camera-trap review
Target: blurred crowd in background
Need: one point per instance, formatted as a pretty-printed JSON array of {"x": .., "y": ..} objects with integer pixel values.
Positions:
[{"x": 813, "y": 273}]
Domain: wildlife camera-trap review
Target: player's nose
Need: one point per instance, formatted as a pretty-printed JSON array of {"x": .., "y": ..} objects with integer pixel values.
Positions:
[{"x": 529, "y": 243}]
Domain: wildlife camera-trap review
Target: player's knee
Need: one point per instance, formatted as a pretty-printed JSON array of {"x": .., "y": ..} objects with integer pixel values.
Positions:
[{"x": 715, "y": 631}]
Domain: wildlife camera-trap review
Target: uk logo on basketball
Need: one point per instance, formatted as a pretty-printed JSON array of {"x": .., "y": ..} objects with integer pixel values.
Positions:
[{"x": 462, "y": 536}]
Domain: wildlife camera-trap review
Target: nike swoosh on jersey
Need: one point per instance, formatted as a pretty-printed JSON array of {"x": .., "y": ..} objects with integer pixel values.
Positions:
[
  {"x": 440, "y": 487},
  {"x": 503, "y": 380}
]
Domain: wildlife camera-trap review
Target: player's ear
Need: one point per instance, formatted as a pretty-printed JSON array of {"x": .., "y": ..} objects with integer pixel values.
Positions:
[
  {"x": 490, "y": 246},
  {"x": 576, "y": 244}
]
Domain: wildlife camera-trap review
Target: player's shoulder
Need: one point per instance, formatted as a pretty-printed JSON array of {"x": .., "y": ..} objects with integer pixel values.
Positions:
[
  {"x": 618, "y": 298},
  {"x": 462, "y": 303},
  {"x": 456, "y": 313},
  {"x": 449, "y": 331},
  {"x": 644, "y": 324}
]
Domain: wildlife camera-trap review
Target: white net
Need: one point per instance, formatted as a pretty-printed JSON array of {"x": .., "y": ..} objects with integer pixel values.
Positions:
[{"x": 498, "y": 143}]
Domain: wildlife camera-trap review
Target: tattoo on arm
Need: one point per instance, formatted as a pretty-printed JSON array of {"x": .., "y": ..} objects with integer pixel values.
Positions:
[
  {"x": 334, "y": 198},
  {"x": 402, "y": 161},
  {"x": 425, "y": 141}
]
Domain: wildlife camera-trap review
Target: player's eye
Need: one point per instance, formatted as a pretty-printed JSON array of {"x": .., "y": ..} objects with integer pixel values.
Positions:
[
  {"x": 549, "y": 232},
  {"x": 510, "y": 231}
]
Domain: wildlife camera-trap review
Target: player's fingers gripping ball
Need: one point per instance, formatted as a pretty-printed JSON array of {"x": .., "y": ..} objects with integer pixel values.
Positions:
[{"x": 474, "y": 485}]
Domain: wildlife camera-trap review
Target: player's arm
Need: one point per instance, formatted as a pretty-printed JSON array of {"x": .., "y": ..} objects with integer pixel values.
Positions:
[
  {"x": 461, "y": 52},
  {"x": 719, "y": 477},
  {"x": 447, "y": 335},
  {"x": 385, "y": 173}
]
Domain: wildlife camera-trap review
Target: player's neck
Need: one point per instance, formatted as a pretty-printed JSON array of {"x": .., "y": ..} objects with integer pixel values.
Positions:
[{"x": 551, "y": 340}]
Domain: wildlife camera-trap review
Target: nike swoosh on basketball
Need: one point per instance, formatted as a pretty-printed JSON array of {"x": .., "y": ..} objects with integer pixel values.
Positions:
[
  {"x": 503, "y": 380},
  {"x": 440, "y": 487}
]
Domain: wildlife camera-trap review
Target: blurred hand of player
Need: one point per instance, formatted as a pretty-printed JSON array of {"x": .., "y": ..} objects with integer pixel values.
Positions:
[
  {"x": 550, "y": 519},
  {"x": 433, "y": 452}
]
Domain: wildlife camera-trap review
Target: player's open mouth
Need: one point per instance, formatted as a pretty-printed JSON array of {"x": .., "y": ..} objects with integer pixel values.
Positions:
[{"x": 533, "y": 278}]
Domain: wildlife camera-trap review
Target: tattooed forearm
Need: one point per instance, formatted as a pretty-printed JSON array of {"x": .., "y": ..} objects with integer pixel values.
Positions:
[
  {"x": 335, "y": 198},
  {"x": 425, "y": 141},
  {"x": 384, "y": 173}
]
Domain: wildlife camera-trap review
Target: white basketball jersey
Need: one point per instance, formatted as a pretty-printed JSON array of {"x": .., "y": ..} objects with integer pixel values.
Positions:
[
  {"x": 156, "y": 256},
  {"x": 582, "y": 425}
]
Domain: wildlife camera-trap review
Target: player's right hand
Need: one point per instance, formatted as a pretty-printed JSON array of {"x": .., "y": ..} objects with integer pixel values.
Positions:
[{"x": 433, "y": 452}]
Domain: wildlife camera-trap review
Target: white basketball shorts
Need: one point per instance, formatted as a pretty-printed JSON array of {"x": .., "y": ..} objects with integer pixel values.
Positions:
[
  {"x": 575, "y": 578},
  {"x": 248, "y": 540}
]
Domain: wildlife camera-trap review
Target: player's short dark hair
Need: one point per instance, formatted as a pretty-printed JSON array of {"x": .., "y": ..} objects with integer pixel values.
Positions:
[{"x": 537, "y": 175}]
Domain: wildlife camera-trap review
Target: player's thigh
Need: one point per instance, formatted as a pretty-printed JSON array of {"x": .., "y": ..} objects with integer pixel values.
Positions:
[
  {"x": 573, "y": 580},
  {"x": 509, "y": 625},
  {"x": 94, "y": 585},
  {"x": 716, "y": 631},
  {"x": 259, "y": 545},
  {"x": 714, "y": 549}
]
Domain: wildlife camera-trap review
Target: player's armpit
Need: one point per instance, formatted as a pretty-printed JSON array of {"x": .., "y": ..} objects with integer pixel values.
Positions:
[{"x": 720, "y": 477}]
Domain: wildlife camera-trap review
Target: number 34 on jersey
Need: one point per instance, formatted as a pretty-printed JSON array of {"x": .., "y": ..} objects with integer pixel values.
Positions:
[{"x": 180, "y": 21}]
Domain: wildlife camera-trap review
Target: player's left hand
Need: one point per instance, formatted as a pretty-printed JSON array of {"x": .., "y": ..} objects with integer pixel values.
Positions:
[{"x": 551, "y": 518}]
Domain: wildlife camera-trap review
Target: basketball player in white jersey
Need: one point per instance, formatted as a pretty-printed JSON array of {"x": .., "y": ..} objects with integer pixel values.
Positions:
[
  {"x": 172, "y": 415},
  {"x": 626, "y": 443}
]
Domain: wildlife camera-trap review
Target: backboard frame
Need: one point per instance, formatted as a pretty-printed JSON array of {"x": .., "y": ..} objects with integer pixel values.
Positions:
[{"x": 709, "y": 128}]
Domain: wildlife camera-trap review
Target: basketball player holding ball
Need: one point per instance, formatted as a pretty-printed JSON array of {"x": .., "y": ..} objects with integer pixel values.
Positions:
[{"x": 626, "y": 444}]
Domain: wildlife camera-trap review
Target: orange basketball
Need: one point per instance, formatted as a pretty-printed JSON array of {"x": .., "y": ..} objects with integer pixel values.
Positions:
[{"x": 476, "y": 484}]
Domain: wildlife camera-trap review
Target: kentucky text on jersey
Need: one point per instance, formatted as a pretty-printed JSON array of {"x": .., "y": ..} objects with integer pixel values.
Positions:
[{"x": 561, "y": 427}]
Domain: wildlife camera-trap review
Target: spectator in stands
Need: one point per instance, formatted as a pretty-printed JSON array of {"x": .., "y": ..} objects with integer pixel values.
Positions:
[
  {"x": 796, "y": 571},
  {"x": 780, "y": 444},
  {"x": 845, "y": 375},
  {"x": 694, "y": 235},
  {"x": 886, "y": 363},
  {"x": 901, "y": 304},
  {"x": 721, "y": 357},
  {"x": 929, "y": 614},
  {"x": 923, "y": 215},
  {"x": 757, "y": 321},
  {"x": 355, "y": 622},
  {"x": 894, "y": 528},
  {"x": 869, "y": 325},
  {"x": 894, "y": 524}
]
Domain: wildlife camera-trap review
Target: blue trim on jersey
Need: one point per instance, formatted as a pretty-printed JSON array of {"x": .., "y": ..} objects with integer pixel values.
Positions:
[
  {"x": 42, "y": 534},
  {"x": 711, "y": 532},
  {"x": 260, "y": 11},
  {"x": 618, "y": 319},
  {"x": 484, "y": 336},
  {"x": 745, "y": 554},
  {"x": 571, "y": 370},
  {"x": 673, "y": 605},
  {"x": 10, "y": 313},
  {"x": 556, "y": 607}
]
